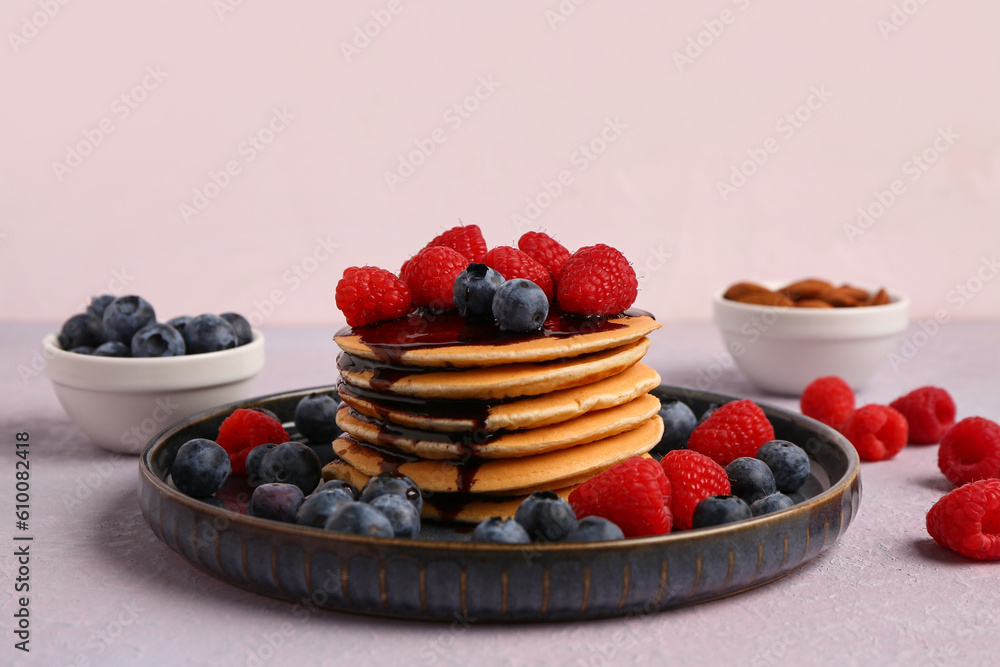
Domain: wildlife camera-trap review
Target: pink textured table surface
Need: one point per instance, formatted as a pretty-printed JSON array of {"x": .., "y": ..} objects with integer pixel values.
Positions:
[{"x": 106, "y": 591}]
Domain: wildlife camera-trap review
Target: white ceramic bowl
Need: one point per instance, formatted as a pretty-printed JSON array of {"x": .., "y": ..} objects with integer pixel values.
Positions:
[
  {"x": 121, "y": 403},
  {"x": 782, "y": 350}
]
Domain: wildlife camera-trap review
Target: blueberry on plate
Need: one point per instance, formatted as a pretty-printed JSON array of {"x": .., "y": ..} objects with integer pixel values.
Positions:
[
  {"x": 126, "y": 315},
  {"x": 291, "y": 463},
  {"x": 82, "y": 349},
  {"x": 678, "y": 422},
  {"x": 339, "y": 484},
  {"x": 772, "y": 503},
  {"x": 240, "y": 325},
  {"x": 98, "y": 304},
  {"x": 595, "y": 529},
  {"x": 112, "y": 349},
  {"x": 359, "y": 519},
  {"x": 276, "y": 501},
  {"x": 750, "y": 479},
  {"x": 496, "y": 530},
  {"x": 520, "y": 305},
  {"x": 179, "y": 323},
  {"x": 546, "y": 516},
  {"x": 208, "y": 333},
  {"x": 157, "y": 340},
  {"x": 393, "y": 483},
  {"x": 82, "y": 330},
  {"x": 401, "y": 514},
  {"x": 316, "y": 418},
  {"x": 788, "y": 462},
  {"x": 254, "y": 458},
  {"x": 474, "y": 290},
  {"x": 717, "y": 510},
  {"x": 319, "y": 505},
  {"x": 200, "y": 468},
  {"x": 712, "y": 407}
]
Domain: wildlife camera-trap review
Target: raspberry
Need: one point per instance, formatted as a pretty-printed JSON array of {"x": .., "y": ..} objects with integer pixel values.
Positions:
[
  {"x": 431, "y": 275},
  {"x": 970, "y": 450},
  {"x": 369, "y": 294},
  {"x": 967, "y": 520},
  {"x": 466, "y": 239},
  {"x": 829, "y": 400},
  {"x": 634, "y": 494},
  {"x": 693, "y": 477},
  {"x": 878, "y": 432},
  {"x": 929, "y": 411},
  {"x": 545, "y": 250},
  {"x": 513, "y": 263},
  {"x": 245, "y": 429},
  {"x": 736, "y": 429},
  {"x": 597, "y": 280}
]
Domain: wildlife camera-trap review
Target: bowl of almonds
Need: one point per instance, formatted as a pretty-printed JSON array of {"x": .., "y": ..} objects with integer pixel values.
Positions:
[{"x": 782, "y": 336}]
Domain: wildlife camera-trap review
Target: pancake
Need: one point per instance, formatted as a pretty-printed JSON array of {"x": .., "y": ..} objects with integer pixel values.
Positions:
[
  {"x": 448, "y": 340},
  {"x": 499, "y": 444},
  {"x": 551, "y": 470},
  {"x": 456, "y": 507},
  {"x": 494, "y": 382},
  {"x": 522, "y": 413}
]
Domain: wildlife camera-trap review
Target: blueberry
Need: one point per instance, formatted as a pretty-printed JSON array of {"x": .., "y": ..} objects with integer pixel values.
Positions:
[
  {"x": 292, "y": 463},
  {"x": 595, "y": 529},
  {"x": 717, "y": 510},
  {"x": 316, "y": 418},
  {"x": 200, "y": 468},
  {"x": 254, "y": 458},
  {"x": 400, "y": 513},
  {"x": 339, "y": 484},
  {"x": 546, "y": 516},
  {"x": 208, "y": 333},
  {"x": 788, "y": 462},
  {"x": 126, "y": 315},
  {"x": 771, "y": 503},
  {"x": 520, "y": 305},
  {"x": 82, "y": 349},
  {"x": 318, "y": 506},
  {"x": 359, "y": 519},
  {"x": 750, "y": 479},
  {"x": 277, "y": 501},
  {"x": 157, "y": 340},
  {"x": 393, "y": 483},
  {"x": 496, "y": 530},
  {"x": 179, "y": 323},
  {"x": 99, "y": 304},
  {"x": 83, "y": 330},
  {"x": 678, "y": 422},
  {"x": 240, "y": 325},
  {"x": 214, "y": 501},
  {"x": 712, "y": 407},
  {"x": 112, "y": 349},
  {"x": 474, "y": 290}
]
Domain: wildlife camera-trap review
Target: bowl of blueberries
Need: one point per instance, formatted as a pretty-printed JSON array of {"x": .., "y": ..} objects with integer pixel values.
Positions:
[{"x": 123, "y": 376}]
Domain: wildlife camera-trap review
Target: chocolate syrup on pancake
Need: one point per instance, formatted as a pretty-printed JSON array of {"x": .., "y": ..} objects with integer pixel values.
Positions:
[
  {"x": 473, "y": 411},
  {"x": 423, "y": 329}
]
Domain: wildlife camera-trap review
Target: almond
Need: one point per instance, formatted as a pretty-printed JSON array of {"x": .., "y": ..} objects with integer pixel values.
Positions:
[
  {"x": 841, "y": 298},
  {"x": 738, "y": 291},
  {"x": 881, "y": 298},
  {"x": 812, "y": 303},
  {"x": 806, "y": 289},
  {"x": 857, "y": 293},
  {"x": 766, "y": 299}
]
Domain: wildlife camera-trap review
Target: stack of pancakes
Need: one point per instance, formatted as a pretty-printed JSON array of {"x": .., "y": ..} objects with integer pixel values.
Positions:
[{"x": 481, "y": 421}]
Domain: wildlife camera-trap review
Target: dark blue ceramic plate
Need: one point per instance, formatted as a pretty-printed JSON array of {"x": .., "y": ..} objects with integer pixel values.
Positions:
[{"x": 443, "y": 576}]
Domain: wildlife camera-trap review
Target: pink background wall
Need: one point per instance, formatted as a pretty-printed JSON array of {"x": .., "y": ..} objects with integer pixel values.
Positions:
[{"x": 160, "y": 98}]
